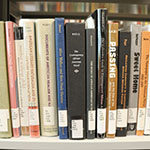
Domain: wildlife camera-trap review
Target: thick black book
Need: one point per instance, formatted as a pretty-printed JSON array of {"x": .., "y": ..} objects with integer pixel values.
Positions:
[
  {"x": 91, "y": 77},
  {"x": 100, "y": 17},
  {"x": 123, "y": 82},
  {"x": 76, "y": 92}
]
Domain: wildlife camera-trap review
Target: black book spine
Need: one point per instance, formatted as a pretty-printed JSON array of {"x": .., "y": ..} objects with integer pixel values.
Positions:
[
  {"x": 100, "y": 16},
  {"x": 91, "y": 82},
  {"x": 75, "y": 58},
  {"x": 123, "y": 82}
]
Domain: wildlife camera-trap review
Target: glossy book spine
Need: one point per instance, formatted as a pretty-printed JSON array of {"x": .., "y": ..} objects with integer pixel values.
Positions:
[
  {"x": 12, "y": 75},
  {"x": 61, "y": 77},
  {"x": 47, "y": 76}
]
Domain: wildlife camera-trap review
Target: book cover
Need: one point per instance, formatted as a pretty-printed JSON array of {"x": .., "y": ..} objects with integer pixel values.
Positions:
[
  {"x": 12, "y": 75},
  {"x": 123, "y": 82},
  {"x": 91, "y": 77},
  {"x": 47, "y": 76},
  {"x": 143, "y": 82},
  {"x": 75, "y": 59},
  {"x": 31, "y": 72},
  {"x": 61, "y": 77},
  {"x": 21, "y": 84},
  {"x": 100, "y": 17},
  {"x": 134, "y": 77},
  {"x": 5, "y": 120},
  {"x": 112, "y": 79}
]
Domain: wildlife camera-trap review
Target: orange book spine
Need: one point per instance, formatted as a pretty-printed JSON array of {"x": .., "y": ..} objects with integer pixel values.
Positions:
[
  {"x": 143, "y": 83},
  {"x": 58, "y": 6}
]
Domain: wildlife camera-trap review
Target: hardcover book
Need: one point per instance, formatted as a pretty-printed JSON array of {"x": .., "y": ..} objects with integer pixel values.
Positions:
[
  {"x": 5, "y": 120},
  {"x": 100, "y": 17},
  {"x": 47, "y": 76},
  {"x": 75, "y": 58},
  {"x": 123, "y": 82},
  {"x": 91, "y": 77},
  {"x": 112, "y": 79},
  {"x": 21, "y": 84},
  {"x": 12, "y": 75},
  {"x": 134, "y": 77},
  {"x": 61, "y": 77},
  {"x": 31, "y": 72},
  {"x": 143, "y": 82}
]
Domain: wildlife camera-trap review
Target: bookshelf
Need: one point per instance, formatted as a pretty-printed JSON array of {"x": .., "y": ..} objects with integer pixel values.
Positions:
[{"x": 9, "y": 11}]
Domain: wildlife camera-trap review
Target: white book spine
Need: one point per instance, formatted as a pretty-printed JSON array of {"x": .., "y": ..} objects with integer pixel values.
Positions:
[{"x": 47, "y": 76}]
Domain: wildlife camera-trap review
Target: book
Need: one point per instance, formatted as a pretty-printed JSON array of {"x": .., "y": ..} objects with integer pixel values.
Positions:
[
  {"x": 134, "y": 77},
  {"x": 112, "y": 79},
  {"x": 123, "y": 82},
  {"x": 91, "y": 77},
  {"x": 143, "y": 82},
  {"x": 12, "y": 75},
  {"x": 100, "y": 17},
  {"x": 31, "y": 72},
  {"x": 47, "y": 76},
  {"x": 5, "y": 119},
  {"x": 21, "y": 84},
  {"x": 75, "y": 60},
  {"x": 61, "y": 77}
]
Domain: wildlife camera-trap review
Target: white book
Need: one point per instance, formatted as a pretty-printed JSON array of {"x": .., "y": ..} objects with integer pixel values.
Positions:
[{"x": 47, "y": 76}]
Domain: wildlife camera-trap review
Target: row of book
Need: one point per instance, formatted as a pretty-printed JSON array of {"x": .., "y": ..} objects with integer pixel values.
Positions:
[{"x": 78, "y": 80}]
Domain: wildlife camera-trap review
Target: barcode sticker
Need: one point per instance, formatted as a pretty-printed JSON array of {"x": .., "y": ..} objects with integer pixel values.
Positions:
[
  {"x": 112, "y": 122},
  {"x": 62, "y": 118},
  {"x": 49, "y": 116},
  {"x": 4, "y": 116},
  {"x": 77, "y": 128},
  {"x": 132, "y": 114},
  {"x": 33, "y": 117},
  {"x": 91, "y": 120},
  {"x": 15, "y": 117},
  {"x": 122, "y": 118},
  {"x": 141, "y": 119},
  {"x": 101, "y": 120},
  {"x": 24, "y": 116}
]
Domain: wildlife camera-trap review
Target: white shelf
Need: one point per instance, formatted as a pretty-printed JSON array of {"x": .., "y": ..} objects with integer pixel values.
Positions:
[{"x": 53, "y": 143}]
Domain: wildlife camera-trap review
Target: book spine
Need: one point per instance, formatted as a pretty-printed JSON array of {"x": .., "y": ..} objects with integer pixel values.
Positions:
[
  {"x": 91, "y": 82},
  {"x": 21, "y": 84},
  {"x": 5, "y": 120},
  {"x": 134, "y": 77},
  {"x": 112, "y": 80},
  {"x": 75, "y": 55},
  {"x": 12, "y": 75},
  {"x": 47, "y": 76},
  {"x": 101, "y": 71},
  {"x": 143, "y": 83},
  {"x": 147, "y": 116},
  {"x": 29, "y": 45},
  {"x": 123, "y": 82},
  {"x": 61, "y": 78}
]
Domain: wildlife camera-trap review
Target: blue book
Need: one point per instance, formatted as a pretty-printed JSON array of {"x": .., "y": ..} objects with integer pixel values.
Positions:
[{"x": 61, "y": 78}]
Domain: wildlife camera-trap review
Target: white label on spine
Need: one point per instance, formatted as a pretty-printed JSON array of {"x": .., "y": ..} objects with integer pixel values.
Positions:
[
  {"x": 15, "y": 117},
  {"x": 132, "y": 114},
  {"x": 101, "y": 120},
  {"x": 112, "y": 122},
  {"x": 24, "y": 116},
  {"x": 122, "y": 118},
  {"x": 33, "y": 117},
  {"x": 91, "y": 120},
  {"x": 147, "y": 122},
  {"x": 141, "y": 119},
  {"x": 48, "y": 115},
  {"x": 77, "y": 128},
  {"x": 62, "y": 118},
  {"x": 4, "y": 116}
]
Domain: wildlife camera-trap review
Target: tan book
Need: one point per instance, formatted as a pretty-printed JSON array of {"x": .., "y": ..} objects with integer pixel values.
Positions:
[
  {"x": 112, "y": 79},
  {"x": 143, "y": 83},
  {"x": 5, "y": 122}
]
